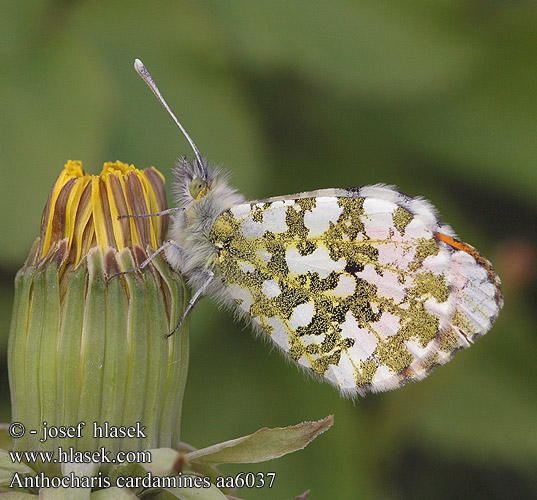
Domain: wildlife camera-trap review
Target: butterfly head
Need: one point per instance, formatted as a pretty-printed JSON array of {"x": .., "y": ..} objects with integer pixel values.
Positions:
[
  {"x": 198, "y": 188},
  {"x": 193, "y": 180}
]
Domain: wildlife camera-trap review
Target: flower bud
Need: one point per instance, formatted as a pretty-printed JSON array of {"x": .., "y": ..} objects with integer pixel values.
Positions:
[{"x": 87, "y": 349}]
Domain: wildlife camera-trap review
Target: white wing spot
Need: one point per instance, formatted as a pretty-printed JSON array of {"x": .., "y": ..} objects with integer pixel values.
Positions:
[
  {"x": 387, "y": 325},
  {"x": 274, "y": 220},
  {"x": 301, "y": 315},
  {"x": 396, "y": 254},
  {"x": 278, "y": 335},
  {"x": 345, "y": 286},
  {"x": 252, "y": 229},
  {"x": 387, "y": 285},
  {"x": 318, "y": 219},
  {"x": 246, "y": 267},
  {"x": 366, "y": 342},
  {"x": 378, "y": 218},
  {"x": 271, "y": 288},
  {"x": 242, "y": 296},
  {"x": 318, "y": 261}
]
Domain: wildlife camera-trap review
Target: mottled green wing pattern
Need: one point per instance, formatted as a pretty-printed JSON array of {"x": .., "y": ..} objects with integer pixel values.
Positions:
[{"x": 355, "y": 285}]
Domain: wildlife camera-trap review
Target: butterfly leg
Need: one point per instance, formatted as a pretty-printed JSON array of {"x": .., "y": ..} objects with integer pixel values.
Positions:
[
  {"x": 145, "y": 262},
  {"x": 192, "y": 302},
  {"x": 164, "y": 212}
]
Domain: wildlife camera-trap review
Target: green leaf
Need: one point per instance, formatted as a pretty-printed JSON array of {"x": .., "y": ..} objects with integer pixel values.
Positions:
[
  {"x": 163, "y": 461},
  {"x": 304, "y": 496},
  {"x": 8, "y": 468},
  {"x": 16, "y": 495},
  {"x": 80, "y": 469},
  {"x": 113, "y": 493},
  {"x": 196, "y": 493},
  {"x": 263, "y": 445},
  {"x": 64, "y": 494},
  {"x": 5, "y": 439}
]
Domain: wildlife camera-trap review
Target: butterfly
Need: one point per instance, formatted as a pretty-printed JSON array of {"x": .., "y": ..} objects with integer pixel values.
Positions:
[{"x": 364, "y": 287}]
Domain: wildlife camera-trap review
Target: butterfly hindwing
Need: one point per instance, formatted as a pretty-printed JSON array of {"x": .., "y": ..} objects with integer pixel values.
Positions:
[{"x": 351, "y": 285}]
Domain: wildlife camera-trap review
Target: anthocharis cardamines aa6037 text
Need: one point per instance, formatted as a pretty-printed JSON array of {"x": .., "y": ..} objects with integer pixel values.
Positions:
[{"x": 364, "y": 287}]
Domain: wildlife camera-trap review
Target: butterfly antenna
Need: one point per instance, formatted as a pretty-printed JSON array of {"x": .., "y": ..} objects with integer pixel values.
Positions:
[{"x": 147, "y": 78}]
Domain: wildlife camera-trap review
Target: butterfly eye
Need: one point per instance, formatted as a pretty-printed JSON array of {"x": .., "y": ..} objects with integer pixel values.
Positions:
[{"x": 198, "y": 188}]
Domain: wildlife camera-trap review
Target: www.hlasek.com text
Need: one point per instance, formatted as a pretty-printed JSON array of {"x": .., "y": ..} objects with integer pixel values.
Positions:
[{"x": 72, "y": 456}]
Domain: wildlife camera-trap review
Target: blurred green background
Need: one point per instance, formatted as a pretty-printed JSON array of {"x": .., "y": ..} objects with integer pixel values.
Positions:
[{"x": 437, "y": 97}]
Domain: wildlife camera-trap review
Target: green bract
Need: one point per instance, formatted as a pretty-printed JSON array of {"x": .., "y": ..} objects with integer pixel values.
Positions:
[{"x": 85, "y": 348}]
